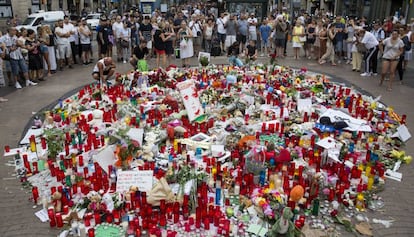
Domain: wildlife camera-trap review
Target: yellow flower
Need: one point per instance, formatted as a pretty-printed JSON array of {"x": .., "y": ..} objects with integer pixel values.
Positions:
[{"x": 408, "y": 159}]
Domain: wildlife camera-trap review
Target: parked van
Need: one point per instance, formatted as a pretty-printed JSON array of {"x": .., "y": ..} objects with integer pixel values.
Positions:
[{"x": 37, "y": 19}]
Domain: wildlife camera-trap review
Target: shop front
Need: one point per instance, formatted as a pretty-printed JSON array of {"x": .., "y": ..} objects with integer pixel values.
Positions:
[{"x": 258, "y": 7}]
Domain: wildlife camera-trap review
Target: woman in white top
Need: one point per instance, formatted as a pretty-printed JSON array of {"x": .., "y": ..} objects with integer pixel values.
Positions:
[
  {"x": 125, "y": 36},
  {"x": 185, "y": 35},
  {"x": 391, "y": 48}
]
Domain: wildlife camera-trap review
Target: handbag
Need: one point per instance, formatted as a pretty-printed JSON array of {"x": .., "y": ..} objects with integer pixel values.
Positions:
[
  {"x": 183, "y": 43},
  {"x": 177, "y": 52},
  {"x": 361, "y": 47},
  {"x": 124, "y": 43},
  {"x": 302, "y": 39}
]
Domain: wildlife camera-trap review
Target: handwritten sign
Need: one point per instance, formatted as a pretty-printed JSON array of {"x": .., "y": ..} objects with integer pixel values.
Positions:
[
  {"x": 189, "y": 94},
  {"x": 139, "y": 178}
]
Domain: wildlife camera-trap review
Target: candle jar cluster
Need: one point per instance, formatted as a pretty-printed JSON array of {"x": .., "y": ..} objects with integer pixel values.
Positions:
[{"x": 269, "y": 138}]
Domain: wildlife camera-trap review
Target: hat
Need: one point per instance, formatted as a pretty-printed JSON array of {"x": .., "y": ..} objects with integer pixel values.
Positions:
[{"x": 103, "y": 18}]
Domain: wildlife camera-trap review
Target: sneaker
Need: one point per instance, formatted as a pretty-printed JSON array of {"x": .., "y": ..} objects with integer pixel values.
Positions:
[
  {"x": 375, "y": 74},
  {"x": 18, "y": 86},
  {"x": 365, "y": 74},
  {"x": 30, "y": 83},
  {"x": 261, "y": 55},
  {"x": 124, "y": 61},
  {"x": 3, "y": 99}
]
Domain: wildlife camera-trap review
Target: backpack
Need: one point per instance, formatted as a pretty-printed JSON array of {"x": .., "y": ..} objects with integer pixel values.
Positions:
[{"x": 407, "y": 43}]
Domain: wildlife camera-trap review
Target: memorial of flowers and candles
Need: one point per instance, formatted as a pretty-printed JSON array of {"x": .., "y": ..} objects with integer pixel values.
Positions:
[{"x": 212, "y": 151}]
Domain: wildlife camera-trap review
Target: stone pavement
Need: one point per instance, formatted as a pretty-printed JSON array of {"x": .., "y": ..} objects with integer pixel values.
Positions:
[{"x": 19, "y": 219}]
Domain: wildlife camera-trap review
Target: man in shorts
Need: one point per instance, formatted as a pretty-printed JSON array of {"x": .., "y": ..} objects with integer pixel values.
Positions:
[
  {"x": 64, "y": 50},
  {"x": 103, "y": 70}
]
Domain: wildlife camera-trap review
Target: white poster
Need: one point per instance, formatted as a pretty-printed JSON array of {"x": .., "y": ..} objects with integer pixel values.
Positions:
[
  {"x": 138, "y": 178},
  {"x": 189, "y": 94}
]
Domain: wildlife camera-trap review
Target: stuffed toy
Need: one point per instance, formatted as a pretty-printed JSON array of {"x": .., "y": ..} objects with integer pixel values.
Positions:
[
  {"x": 95, "y": 201},
  {"x": 108, "y": 201},
  {"x": 57, "y": 201},
  {"x": 284, "y": 226}
]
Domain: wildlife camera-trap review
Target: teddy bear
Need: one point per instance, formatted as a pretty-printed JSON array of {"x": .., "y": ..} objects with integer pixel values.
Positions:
[
  {"x": 108, "y": 201},
  {"x": 57, "y": 201},
  {"x": 95, "y": 201}
]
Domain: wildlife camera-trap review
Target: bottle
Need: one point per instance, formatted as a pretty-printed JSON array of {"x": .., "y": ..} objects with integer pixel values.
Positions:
[{"x": 315, "y": 207}]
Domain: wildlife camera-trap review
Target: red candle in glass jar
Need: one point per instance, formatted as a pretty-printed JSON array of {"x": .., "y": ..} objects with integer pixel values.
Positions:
[
  {"x": 51, "y": 215},
  {"x": 6, "y": 148},
  {"x": 97, "y": 218},
  {"x": 43, "y": 142},
  {"x": 59, "y": 220},
  {"x": 35, "y": 193},
  {"x": 91, "y": 232}
]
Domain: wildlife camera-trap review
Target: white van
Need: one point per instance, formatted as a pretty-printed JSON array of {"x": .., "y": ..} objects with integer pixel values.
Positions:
[{"x": 37, "y": 19}]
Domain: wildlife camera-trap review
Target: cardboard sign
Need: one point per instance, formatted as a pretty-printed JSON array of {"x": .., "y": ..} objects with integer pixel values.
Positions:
[
  {"x": 139, "y": 178},
  {"x": 189, "y": 94}
]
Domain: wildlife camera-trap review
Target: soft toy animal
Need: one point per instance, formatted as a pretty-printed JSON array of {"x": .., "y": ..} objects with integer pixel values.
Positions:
[
  {"x": 284, "y": 225},
  {"x": 109, "y": 202}
]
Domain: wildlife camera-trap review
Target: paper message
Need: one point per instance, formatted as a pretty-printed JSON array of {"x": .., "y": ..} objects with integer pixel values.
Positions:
[
  {"x": 136, "y": 134},
  {"x": 189, "y": 94},
  {"x": 139, "y": 178},
  {"x": 106, "y": 157}
]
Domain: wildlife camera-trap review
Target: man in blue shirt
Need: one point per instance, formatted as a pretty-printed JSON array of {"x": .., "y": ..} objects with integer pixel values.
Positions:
[
  {"x": 264, "y": 30},
  {"x": 339, "y": 37}
]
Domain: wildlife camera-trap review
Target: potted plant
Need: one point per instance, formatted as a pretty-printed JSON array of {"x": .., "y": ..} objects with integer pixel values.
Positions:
[{"x": 204, "y": 61}]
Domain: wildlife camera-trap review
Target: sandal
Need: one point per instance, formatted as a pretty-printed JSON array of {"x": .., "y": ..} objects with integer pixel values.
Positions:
[{"x": 322, "y": 62}]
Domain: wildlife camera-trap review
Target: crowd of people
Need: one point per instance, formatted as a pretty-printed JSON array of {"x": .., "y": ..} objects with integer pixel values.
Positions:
[{"x": 182, "y": 32}]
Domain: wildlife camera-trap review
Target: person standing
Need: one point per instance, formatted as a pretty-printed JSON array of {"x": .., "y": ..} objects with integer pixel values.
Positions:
[
  {"x": 169, "y": 48},
  {"x": 407, "y": 55},
  {"x": 330, "y": 46},
  {"x": 297, "y": 33},
  {"x": 231, "y": 30},
  {"x": 35, "y": 57},
  {"x": 63, "y": 44},
  {"x": 340, "y": 36},
  {"x": 242, "y": 29},
  {"x": 252, "y": 23},
  {"x": 221, "y": 31},
  {"x": 69, "y": 27},
  {"x": 160, "y": 37},
  {"x": 208, "y": 34},
  {"x": 280, "y": 35},
  {"x": 370, "y": 56},
  {"x": 197, "y": 29},
  {"x": 85, "y": 41},
  {"x": 145, "y": 33},
  {"x": 265, "y": 31},
  {"x": 392, "y": 48},
  {"x": 125, "y": 37},
  {"x": 44, "y": 40},
  {"x": 350, "y": 32},
  {"x": 117, "y": 27},
  {"x": 103, "y": 37},
  {"x": 17, "y": 61},
  {"x": 356, "y": 55},
  {"x": 310, "y": 39},
  {"x": 186, "y": 43}
]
